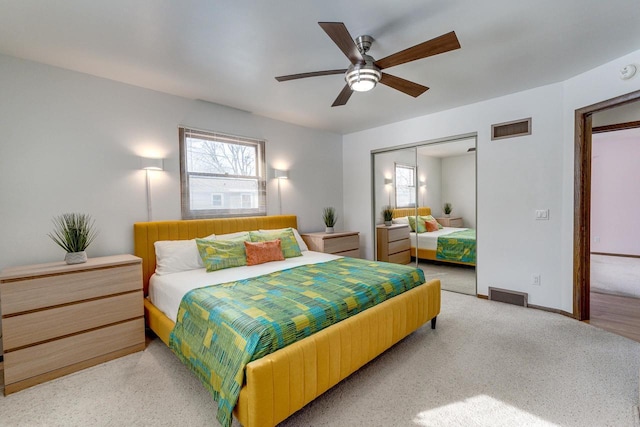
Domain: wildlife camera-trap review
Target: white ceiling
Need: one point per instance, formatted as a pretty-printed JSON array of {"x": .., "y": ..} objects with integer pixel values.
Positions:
[
  {"x": 448, "y": 148},
  {"x": 229, "y": 52}
]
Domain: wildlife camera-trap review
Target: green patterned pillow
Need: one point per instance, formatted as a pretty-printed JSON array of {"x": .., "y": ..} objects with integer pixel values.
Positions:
[
  {"x": 421, "y": 226},
  {"x": 219, "y": 254},
  {"x": 431, "y": 218},
  {"x": 290, "y": 247}
]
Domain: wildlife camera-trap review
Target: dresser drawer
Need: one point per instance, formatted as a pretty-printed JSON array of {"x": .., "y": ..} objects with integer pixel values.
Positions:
[
  {"x": 341, "y": 244},
  {"x": 353, "y": 254},
  {"x": 44, "y": 325},
  {"x": 399, "y": 246},
  {"x": 398, "y": 233},
  {"x": 43, "y": 358},
  {"x": 400, "y": 257},
  {"x": 45, "y": 291}
]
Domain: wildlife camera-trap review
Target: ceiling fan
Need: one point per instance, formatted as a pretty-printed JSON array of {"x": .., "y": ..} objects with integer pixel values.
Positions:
[{"x": 364, "y": 72}]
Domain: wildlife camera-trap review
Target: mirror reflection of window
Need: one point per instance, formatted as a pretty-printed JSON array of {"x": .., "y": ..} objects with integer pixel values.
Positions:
[{"x": 405, "y": 183}]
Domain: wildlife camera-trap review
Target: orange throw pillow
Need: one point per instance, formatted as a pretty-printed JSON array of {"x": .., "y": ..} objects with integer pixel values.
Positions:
[
  {"x": 261, "y": 252},
  {"x": 432, "y": 225}
]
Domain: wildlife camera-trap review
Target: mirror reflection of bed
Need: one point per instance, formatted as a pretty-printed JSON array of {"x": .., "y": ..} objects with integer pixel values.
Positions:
[{"x": 447, "y": 253}]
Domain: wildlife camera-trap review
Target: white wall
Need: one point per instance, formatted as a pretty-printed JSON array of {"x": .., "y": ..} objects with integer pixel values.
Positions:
[
  {"x": 459, "y": 186},
  {"x": 70, "y": 143},
  {"x": 516, "y": 176}
]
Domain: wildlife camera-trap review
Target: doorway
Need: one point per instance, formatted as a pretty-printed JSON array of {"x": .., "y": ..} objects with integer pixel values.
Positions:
[{"x": 601, "y": 309}]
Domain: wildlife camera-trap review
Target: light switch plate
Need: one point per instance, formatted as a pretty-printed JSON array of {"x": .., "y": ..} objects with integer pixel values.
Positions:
[{"x": 542, "y": 214}]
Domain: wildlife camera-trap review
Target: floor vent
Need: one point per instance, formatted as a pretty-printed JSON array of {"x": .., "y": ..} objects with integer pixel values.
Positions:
[
  {"x": 511, "y": 129},
  {"x": 510, "y": 297}
]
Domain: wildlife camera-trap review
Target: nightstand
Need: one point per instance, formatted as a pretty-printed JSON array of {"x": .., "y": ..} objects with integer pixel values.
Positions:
[
  {"x": 346, "y": 243},
  {"x": 452, "y": 221},
  {"x": 59, "y": 318},
  {"x": 393, "y": 244}
]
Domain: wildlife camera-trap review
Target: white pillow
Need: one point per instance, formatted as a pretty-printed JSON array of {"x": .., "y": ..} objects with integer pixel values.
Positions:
[
  {"x": 301, "y": 243},
  {"x": 174, "y": 256},
  {"x": 401, "y": 220},
  {"x": 231, "y": 235}
]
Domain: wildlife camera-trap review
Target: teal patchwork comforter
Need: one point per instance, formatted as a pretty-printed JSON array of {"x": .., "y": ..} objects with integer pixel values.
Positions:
[{"x": 221, "y": 328}]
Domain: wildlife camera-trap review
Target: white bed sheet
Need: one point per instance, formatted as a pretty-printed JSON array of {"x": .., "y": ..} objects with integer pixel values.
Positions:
[
  {"x": 166, "y": 291},
  {"x": 429, "y": 240}
]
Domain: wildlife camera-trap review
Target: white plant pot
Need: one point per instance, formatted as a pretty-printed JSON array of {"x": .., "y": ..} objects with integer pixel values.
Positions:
[
  {"x": 75, "y": 257},
  {"x": 328, "y": 230},
  {"x": 388, "y": 223}
]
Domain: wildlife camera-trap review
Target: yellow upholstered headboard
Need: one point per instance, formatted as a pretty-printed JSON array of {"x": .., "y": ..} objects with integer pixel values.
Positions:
[
  {"x": 397, "y": 213},
  {"x": 147, "y": 233}
]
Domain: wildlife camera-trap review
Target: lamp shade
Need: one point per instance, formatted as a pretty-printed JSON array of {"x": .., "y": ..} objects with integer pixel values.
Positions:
[
  {"x": 148, "y": 163},
  {"x": 281, "y": 174}
]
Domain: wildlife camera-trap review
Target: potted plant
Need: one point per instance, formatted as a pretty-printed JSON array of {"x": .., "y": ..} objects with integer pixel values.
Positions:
[
  {"x": 74, "y": 232},
  {"x": 447, "y": 209},
  {"x": 330, "y": 218},
  {"x": 387, "y": 215}
]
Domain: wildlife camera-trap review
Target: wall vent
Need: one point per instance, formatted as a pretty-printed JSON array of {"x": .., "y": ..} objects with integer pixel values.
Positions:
[
  {"x": 510, "y": 297},
  {"x": 511, "y": 129}
]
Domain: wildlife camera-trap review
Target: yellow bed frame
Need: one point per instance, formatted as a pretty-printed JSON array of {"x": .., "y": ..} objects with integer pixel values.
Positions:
[
  {"x": 283, "y": 382},
  {"x": 423, "y": 253}
]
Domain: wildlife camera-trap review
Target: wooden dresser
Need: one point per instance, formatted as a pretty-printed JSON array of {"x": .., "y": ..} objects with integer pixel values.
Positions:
[
  {"x": 346, "y": 243},
  {"x": 59, "y": 318},
  {"x": 452, "y": 221},
  {"x": 392, "y": 243}
]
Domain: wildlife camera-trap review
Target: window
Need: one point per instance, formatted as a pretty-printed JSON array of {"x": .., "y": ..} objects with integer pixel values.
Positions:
[
  {"x": 221, "y": 175},
  {"x": 405, "y": 186}
]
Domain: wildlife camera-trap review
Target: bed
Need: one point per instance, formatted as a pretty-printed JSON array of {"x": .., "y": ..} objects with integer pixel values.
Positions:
[
  {"x": 428, "y": 245},
  {"x": 279, "y": 384}
]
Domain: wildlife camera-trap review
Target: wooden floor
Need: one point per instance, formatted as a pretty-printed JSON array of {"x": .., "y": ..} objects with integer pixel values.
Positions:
[{"x": 617, "y": 314}]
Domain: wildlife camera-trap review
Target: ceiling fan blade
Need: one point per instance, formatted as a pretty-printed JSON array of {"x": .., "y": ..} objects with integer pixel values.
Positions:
[
  {"x": 442, "y": 44},
  {"x": 404, "y": 86},
  {"x": 341, "y": 37},
  {"x": 343, "y": 97},
  {"x": 313, "y": 74}
]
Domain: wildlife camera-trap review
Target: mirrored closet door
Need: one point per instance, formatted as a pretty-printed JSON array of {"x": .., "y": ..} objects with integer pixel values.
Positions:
[{"x": 429, "y": 191}]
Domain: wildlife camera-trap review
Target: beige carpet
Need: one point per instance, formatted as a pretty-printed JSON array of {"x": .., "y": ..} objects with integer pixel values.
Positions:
[
  {"x": 454, "y": 278},
  {"x": 487, "y": 364},
  {"x": 615, "y": 275}
]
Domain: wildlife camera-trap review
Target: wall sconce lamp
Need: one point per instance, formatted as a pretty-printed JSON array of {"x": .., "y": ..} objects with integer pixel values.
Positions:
[
  {"x": 280, "y": 174},
  {"x": 388, "y": 181},
  {"x": 150, "y": 164}
]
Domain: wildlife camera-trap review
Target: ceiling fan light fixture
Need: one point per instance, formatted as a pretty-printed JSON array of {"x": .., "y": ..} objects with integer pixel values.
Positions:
[{"x": 363, "y": 77}]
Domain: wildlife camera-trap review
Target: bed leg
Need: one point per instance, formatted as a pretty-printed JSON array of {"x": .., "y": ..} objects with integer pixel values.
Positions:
[{"x": 433, "y": 322}]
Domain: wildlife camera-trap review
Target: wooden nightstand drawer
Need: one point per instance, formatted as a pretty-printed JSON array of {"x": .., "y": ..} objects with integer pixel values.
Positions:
[
  {"x": 452, "y": 221},
  {"x": 398, "y": 233},
  {"x": 399, "y": 246},
  {"x": 51, "y": 356},
  {"x": 345, "y": 243},
  {"x": 46, "y": 291},
  {"x": 44, "y": 325},
  {"x": 400, "y": 258},
  {"x": 341, "y": 244}
]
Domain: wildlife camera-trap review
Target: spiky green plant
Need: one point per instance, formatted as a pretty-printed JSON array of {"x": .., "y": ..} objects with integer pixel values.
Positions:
[
  {"x": 447, "y": 208},
  {"x": 73, "y": 232},
  {"x": 387, "y": 213},
  {"x": 329, "y": 217}
]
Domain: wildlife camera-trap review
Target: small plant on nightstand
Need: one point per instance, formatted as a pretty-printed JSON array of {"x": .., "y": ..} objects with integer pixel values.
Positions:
[
  {"x": 330, "y": 218},
  {"x": 387, "y": 215},
  {"x": 447, "y": 209},
  {"x": 74, "y": 232}
]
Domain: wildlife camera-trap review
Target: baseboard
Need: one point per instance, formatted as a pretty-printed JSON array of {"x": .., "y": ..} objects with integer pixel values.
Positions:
[
  {"x": 619, "y": 255},
  {"x": 539, "y": 307}
]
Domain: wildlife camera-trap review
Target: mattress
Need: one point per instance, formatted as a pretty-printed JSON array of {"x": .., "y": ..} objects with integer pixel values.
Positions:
[
  {"x": 429, "y": 240},
  {"x": 166, "y": 291}
]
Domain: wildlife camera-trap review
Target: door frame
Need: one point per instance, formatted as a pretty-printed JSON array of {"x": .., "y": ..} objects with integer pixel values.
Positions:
[{"x": 582, "y": 201}]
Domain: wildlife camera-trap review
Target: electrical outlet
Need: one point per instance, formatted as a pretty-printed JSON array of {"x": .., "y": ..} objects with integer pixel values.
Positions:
[{"x": 536, "y": 280}]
